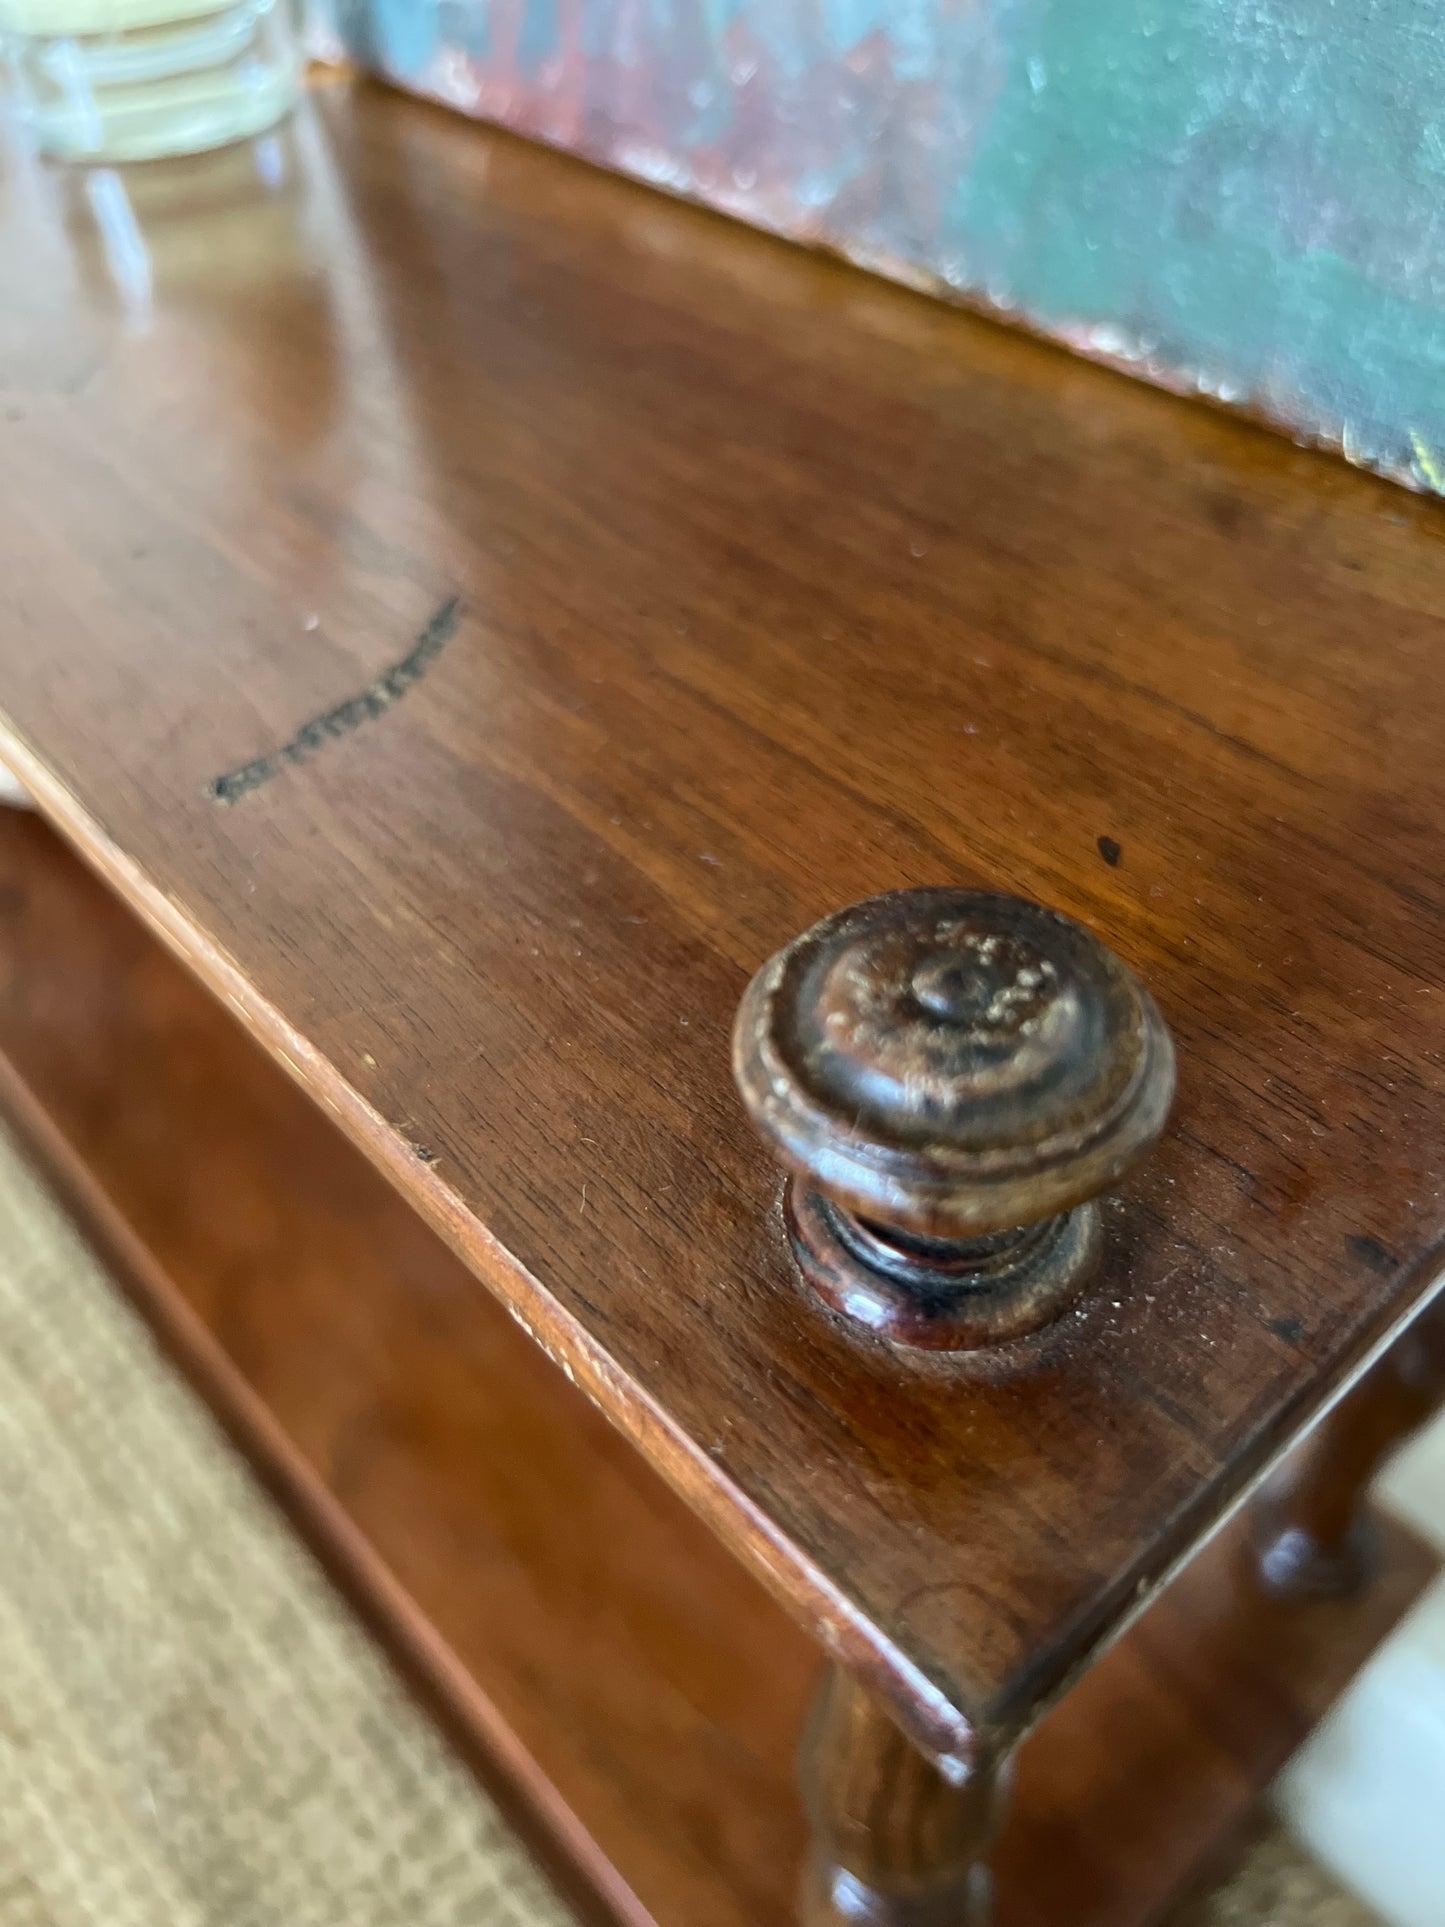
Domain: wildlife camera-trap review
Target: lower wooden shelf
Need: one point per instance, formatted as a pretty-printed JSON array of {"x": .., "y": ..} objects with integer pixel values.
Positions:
[{"x": 627, "y": 1687}]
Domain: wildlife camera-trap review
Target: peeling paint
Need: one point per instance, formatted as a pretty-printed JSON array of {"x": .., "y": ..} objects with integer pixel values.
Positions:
[{"x": 1243, "y": 199}]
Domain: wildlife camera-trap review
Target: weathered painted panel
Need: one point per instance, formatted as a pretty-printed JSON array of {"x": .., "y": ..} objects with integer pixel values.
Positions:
[{"x": 1245, "y": 197}]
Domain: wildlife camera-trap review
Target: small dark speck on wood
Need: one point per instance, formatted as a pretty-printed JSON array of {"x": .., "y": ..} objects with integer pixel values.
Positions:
[
  {"x": 344, "y": 717},
  {"x": 1291, "y": 1330},
  {"x": 1110, "y": 851},
  {"x": 424, "y": 1152},
  {"x": 1374, "y": 1254}
]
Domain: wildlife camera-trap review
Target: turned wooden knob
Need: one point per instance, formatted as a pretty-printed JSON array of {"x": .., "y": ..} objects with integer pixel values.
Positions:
[{"x": 951, "y": 1076}]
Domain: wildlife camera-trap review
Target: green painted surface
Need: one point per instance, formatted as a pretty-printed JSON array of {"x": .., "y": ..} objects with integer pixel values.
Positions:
[
  {"x": 1245, "y": 196},
  {"x": 1252, "y": 193}
]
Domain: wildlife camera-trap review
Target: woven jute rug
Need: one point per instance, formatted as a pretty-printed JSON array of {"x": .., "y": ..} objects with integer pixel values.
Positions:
[
  {"x": 194, "y": 1732},
  {"x": 1278, "y": 1884}
]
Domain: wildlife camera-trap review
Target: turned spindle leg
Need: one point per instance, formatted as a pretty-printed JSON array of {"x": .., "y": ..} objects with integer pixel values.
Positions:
[
  {"x": 1312, "y": 1526},
  {"x": 897, "y": 1840}
]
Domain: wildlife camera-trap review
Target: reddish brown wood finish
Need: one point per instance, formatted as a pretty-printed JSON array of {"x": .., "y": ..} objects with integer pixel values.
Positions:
[
  {"x": 1312, "y": 1525},
  {"x": 637, "y": 1686},
  {"x": 898, "y": 1840},
  {"x": 1138, "y": 1781},
  {"x": 576, "y": 1625},
  {"x": 778, "y": 588},
  {"x": 952, "y": 1077}
]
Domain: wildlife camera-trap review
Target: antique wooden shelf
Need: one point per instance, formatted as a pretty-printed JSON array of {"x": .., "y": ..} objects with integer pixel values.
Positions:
[
  {"x": 610, "y": 1668},
  {"x": 474, "y": 611}
]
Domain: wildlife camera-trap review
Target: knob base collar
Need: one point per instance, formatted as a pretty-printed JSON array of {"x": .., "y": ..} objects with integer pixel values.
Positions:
[{"x": 941, "y": 1294}]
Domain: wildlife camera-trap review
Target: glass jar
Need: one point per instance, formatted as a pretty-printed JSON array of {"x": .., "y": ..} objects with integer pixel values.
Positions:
[{"x": 119, "y": 80}]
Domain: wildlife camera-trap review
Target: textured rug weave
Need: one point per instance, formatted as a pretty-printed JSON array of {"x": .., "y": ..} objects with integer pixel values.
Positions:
[
  {"x": 193, "y": 1731},
  {"x": 1279, "y": 1885}
]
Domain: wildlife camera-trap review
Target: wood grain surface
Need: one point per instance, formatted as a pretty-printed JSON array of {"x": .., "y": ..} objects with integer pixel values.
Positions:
[
  {"x": 613, "y": 1672},
  {"x": 618, "y": 1672},
  {"x": 1145, "y": 1780},
  {"x": 477, "y": 610}
]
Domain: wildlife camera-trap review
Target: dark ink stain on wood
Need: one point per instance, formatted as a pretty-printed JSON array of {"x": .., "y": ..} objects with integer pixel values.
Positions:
[
  {"x": 1226, "y": 512},
  {"x": 1374, "y": 1255},
  {"x": 339, "y": 721},
  {"x": 1110, "y": 851},
  {"x": 1291, "y": 1330}
]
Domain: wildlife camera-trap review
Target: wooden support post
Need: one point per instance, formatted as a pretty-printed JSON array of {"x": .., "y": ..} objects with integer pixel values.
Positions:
[
  {"x": 1312, "y": 1527},
  {"x": 898, "y": 1841}
]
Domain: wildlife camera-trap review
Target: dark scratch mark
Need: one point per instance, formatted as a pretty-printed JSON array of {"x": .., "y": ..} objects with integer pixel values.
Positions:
[
  {"x": 331, "y": 724},
  {"x": 1110, "y": 851}
]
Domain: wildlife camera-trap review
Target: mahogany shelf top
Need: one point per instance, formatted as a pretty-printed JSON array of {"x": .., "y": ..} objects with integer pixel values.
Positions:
[{"x": 477, "y": 609}]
